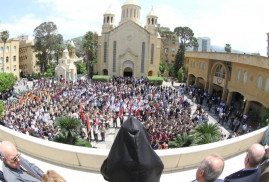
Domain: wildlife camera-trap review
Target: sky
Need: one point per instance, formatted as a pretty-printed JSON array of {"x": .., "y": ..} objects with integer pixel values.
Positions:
[{"x": 241, "y": 23}]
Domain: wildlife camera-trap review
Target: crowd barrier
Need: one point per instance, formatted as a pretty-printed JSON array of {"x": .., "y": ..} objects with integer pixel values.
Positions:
[{"x": 92, "y": 158}]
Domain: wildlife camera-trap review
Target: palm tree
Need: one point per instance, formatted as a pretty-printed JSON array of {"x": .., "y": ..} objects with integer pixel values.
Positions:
[
  {"x": 4, "y": 38},
  {"x": 90, "y": 48},
  {"x": 68, "y": 124},
  {"x": 184, "y": 140},
  {"x": 205, "y": 132}
]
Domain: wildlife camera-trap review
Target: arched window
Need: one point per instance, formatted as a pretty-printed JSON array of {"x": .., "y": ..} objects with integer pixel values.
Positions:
[
  {"x": 14, "y": 49},
  {"x": 14, "y": 67},
  {"x": 2, "y": 70},
  {"x": 1, "y": 60},
  {"x": 7, "y": 49},
  {"x": 245, "y": 77},
  {"x": 7, "y": 58},
  {"x": 1, "y": 49},
  {"x": 107, "y": 19},
  {"x": 259, "y": 82},
  {"x": 201, "y": 66},
  {"x": 7, "y": 70},
  {"x": 204, "y": 66},
  {"x": 266, "y": 87},
  {"x": 220, "y": 72},
  {"x": 152, "y": 21},
  {"x": 238, "y": 75}
]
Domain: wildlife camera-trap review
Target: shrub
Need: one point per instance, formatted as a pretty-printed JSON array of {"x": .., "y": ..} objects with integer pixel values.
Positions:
[
  {"x": 155, "y": 80},
  {"x": 180, "y": 75},
  {"x": 100, "y": 78}
]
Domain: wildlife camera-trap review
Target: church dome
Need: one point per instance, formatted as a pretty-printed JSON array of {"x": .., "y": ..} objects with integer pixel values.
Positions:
[
  {"x": 108, "y": 11},
  {"x": 133, "y": 2}
]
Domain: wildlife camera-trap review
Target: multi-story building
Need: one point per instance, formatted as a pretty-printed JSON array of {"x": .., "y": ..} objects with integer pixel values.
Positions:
[
  {"x": 234, "y": 77},
  {"x": 9, "y": 54},
  {"x": 28, "y": 58},
  {"x": 204, "y": 44},
  {"x": 169, "y": 47}
]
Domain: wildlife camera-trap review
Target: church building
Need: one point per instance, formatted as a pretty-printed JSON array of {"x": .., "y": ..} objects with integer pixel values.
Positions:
[{"x": 129, "y": 49}]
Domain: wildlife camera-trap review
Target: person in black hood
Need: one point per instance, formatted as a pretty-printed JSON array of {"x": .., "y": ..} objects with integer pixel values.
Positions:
[{"x": 131, "y": 158}]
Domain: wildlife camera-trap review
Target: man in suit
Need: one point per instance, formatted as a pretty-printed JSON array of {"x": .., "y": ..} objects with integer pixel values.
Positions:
[
  {"x": 252, "y": 170},
  {"x": 210, "y": 169},
  {"x": 15, "y": 167},
  {"x": 265, "y": 168}
]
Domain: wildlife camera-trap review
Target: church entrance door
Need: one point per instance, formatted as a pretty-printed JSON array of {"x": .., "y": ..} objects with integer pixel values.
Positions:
[{"x": 128, "y": 72}]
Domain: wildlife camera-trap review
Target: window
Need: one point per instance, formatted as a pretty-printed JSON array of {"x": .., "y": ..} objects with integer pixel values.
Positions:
[
  {"x": 266, "y": 88},
  {"x": 7, "y": 70},
  {"x": 203, "y": 66},
  {"x": 259, "y": 82},
  {"x": 114, "y": 55},
  {"x": 105, "y": 52},
  {"x": 245, "y": 77},
  {"x": 152, "y": 53},
  {"x": 1, "y": 60},
  {"x": 14, "y": 58},
  {"x": 238, "y": 75},
  {"x": 14, "y": 67},
  {"x": 14, "y": 49},
  {"x": 7, "y": 58},
  {"x": 2, "y": 70},
  {"x": 1, "y": 49},
  {"x": 143, "y": 57},
  {"x": 220, "y": 72},
  {"x": 7, "y": 49},
  {"x": 173, "y": 49},
  {"x": 166, "y": 50}
]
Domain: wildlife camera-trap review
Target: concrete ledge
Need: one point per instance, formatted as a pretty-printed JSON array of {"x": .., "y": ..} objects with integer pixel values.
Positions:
[{"x": 92, "y": 159}]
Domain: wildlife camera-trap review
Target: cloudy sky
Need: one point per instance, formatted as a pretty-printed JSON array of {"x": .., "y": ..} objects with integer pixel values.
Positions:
[{"x": 241, "y": 23}]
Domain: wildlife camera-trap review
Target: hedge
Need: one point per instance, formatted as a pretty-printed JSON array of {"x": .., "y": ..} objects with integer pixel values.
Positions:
[
  {"x": 155, "y": 80},
  {"x": 100, "y": 78}
]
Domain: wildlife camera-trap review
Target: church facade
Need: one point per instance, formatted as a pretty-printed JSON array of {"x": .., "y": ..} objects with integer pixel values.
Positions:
[{"x": 129, "y": 49}]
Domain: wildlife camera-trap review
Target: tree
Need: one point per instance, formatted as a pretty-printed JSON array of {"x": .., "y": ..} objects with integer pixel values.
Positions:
[
  {"x": 182, "y": 141},
  {"x": 187, "y": 39},
  {"x": 228, "y": 48},
  {"x": 81, "y": 68},
  {"x": 180, "y": 75},
  {"x": 46, "y": 38},
  {"x": 90, "y": 44},
  {"x": 7, "y": 81},
  {"x": 206, "y": 132},
  {"x": 4, "y": 38},
  {"x": 58, "y": 51},
  {"x": 68, "y": 124}
]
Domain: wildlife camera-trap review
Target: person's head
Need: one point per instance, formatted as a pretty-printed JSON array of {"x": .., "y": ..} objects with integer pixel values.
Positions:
[
  {"x": 10, "y": 155},
  {"x": 52, "y": 176},
  {"x": 254, "y": 156},
  {"x": 210, "y": 168}
]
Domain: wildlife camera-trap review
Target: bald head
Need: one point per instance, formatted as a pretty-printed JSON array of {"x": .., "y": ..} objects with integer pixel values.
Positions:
[
  {"x": 210, "y": 168},
  {"x": 9, "y": 154},
  {"x": 254, "y": 156}
]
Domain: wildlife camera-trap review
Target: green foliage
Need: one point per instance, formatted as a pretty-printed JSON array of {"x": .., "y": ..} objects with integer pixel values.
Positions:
[
  {"x": 179, "y": 61},
  {"x": 46, "y": 38},
  {"x": 180, "y": 75},
  {"x": 90, "y": 45},
  {"x": 7, "y": 81},
  {"x": 81, "y": 68},
  {"x": 51, "y": 70},
  {"x": 5, "y": 36},
  {"x": 78, "y": 141},
  {"x": 68, "y": 124},
  {"x": 163, "y": 66},
  {"x": 100, "y": 78},
  {"x": 1, "y": 109},
  {"x": 206, "y": 132},
  {"x": 186, "y": 36},
  {"x": 265, "y": 116},
  {"x": 58, "y": 51},
  {"x": 182, "y": 141},
  {"x": 228, "y": 48},
  {"x": 155, "y": 80}
]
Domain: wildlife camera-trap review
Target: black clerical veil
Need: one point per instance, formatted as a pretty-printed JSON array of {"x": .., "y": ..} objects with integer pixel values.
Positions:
[{"x": 131, "y": 158}]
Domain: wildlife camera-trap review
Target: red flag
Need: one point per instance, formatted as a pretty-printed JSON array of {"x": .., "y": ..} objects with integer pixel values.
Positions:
[
  {"x": 82, "y": 115},
  {"x": 37, "y": 99},
  {"x": 121, "y": 109},
  {"x": 137, "y": 111},
  {"x": 88, "y": 125}
]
